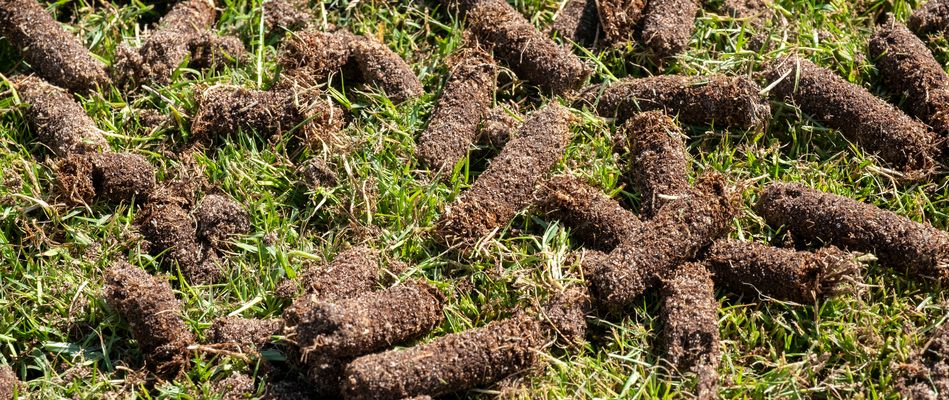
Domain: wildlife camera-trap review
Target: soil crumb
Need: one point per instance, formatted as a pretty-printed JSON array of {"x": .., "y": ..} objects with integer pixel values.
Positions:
[
  {"x": 920, "y": 251},
  {"x": 566, "y": 314},
  {"x": 246, "y": 333},
  {"x": 695, "y": 100},
  {"x": 453, "y": 362},
  {"x": 169, "y": 231},
  {"x": 9, "y": 383},
  {"x": 879, "y": 127},
  {"x": 667, "y": 26},
  {"x": 314, "y": 56},
  {"x": 755, "y": 12},
  {"x": 595, "y": 219},
  {"x": 112, "y": 177},
  {"x": 927, "y": 370},
  {"x": 210, "y": 51},
  {"x": 353, "y": 272},
  {"x": 219, "y": 218},
  {"x": 168, "y": 46},
  {"x": 499, "y": 126},
  {"x": 508, "y": 184},
  {"x": 691, "y": 333},
  {"x": 57, "y": 119},
  {"x": 55, "y": 54},
  {"x": 930, "y": 19},
  {"x": 619, "y": 18},
  {"x": 382, "y": 67},
  {"x": 150, "y": 307},
  {"x": 658, "y": 159},
  {"x": 236, "y": 386},
  {"x": 284, "y": 14},
  {"x": 454, "y": 124},
  {"x": 577, "y": 22},
  {"x": 531, "y": 55}
]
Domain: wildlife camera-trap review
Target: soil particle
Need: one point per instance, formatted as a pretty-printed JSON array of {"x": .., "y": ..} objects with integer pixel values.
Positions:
[
  {"x": 566, "y": 314},
  {"x": 860, "y": 116},
  {"x": 667, "y": 26},
  {"x": 918, "y": 250},
  {"x": 457, "y": 114},
  {"x": 150, "y": 307},
  {"x": 691, "y": 333},
  {"x": 384, "y": 68},
  {"x": 353, "y": 272},
  {"x": 927, "y": 369},
  {"x": 932, "y": 18},
  {"x": 757, "y": 12},
  {"x": 593, "y": 218},
  {"x": 246, "y": 333},
  {"x": 219, "y": 218},
  {"x": 313, "y": 56},
  {"x": 8, "y": 383},
  {"x": 112, "y": 177},
  {"x": 695, "y": 100},
  {"x": 57, "y": 119},
  {"x": 284, "y": 14},
  {"x": 447, "y": 364},
  {"x": 619, "y": 17},
  {"x": 531, "y": 55},
  {"x": 318, "y": 174},
  {"x": 672, "y": 237},
  {"x": 210, "y": 51},
  {"x": 508, "y": 184},
  {"x": 499, "y": 126},
  {"x": 236, "y": 386},
  {"x": 168, "y": 46},
  {"x": 57, "y": 55},
  {"x": 577, "y": 22},
  {"x": 658, "y": 160}
]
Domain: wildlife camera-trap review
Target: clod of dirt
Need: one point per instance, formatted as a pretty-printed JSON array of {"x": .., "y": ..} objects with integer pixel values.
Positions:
[
  {"x": 593, "y": 218},
  {"x": 236, "y": 386},
  {"x": 448, "y": 364},
  {"x": 371, "y": 321},
  {"x": 577, "y": 22},
  {"x": 667, "y": 25},
  {"x": 213, "y": 52},
  {"x": 57, "y": 119},
  {"x": 8, "y": 383},
  {"x": 219, "y": 218},
  {"x": 803, "y": 277},
  {"x": 879, "y": 127},
  {"x": 112, "y": 177},
  {"x": 284, "y": 14},
  {"x": 149, "y": 305},
  {"x": 672, "y": 237},
  {"x": 755, "y": 12},
  {"x": 927, "y": 370},
  {"x": 57, "y": 55},
  {"x": 920, "y": 251},
  {"x": 245, "y": 333},
  {"x": 326, "y": 373},
  {"x": 168, "y": 230},
  {"x": 658, "y": 160},
  {"x": 530, "y": 54},
  {"x": 318, "y": 174},
  {"x": 566, "y": 314},
  {"x": 619, "y": 18},
  {"x": 167, "y": 47},
  {"x": 691, "y": 333},
  {"x": 454, "y": 123},
  {"x": 932, "y": 18},
  {"x": 499, "y": 126},
  {"x": 313, "y": 56},
  {"x": 384, "y": 68},
  {"x": 696, "y": 100},
  {"x": 911, "y": 70},
  {"x": 353, "y": 272},
  {"x": 508, "y": 184}
]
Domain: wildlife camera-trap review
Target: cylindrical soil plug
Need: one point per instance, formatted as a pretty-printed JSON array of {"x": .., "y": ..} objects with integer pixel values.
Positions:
[
  {"x": 113, "y": 177},
  {"x": 668, "y": 25},
  {"x": 352, "y": 273},
  {"x": 931, "y": 18},
  {"x": 167, "y": 48},
  {"x": 619, "y": 18},
  {"x": 576, "y": 22},
  {"x": 659, "y": 162},
  {"x": 57, "y": 119},
  {"x": 691, "y": 331},
  {"x": 384, "y": 68}
]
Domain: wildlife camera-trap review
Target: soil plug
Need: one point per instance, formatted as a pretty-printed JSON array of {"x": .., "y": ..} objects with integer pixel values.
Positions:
[
  {"x": 566, "y": 314},
  {"x": 112, "y": 177},
  {"x": 9, "y": 383},
  {"x": 284, "y": 14},
  {"x": 313, "y": 56},
  {"x": 619, "y": 18},
  {"x": 169, "y": 231},
  {"x": 691, "y": 331},
  {"x": 659, "y": 161},
  {"x": 930, "y": 19},
  {"x": 382, "y": 67},
  {"x": 353, "y": 272},
  {"x": 219, "y": 218},
  {"x": 213, "y": 52},
  {"x": 167, "y": 47},
  {"x": 245, "y": 333},
  {"x": 668, "y": 25},
  {"x": 499, "y": 126},
  {"x": 576, "y": 23},
  {"x": 57, "y": 119}
]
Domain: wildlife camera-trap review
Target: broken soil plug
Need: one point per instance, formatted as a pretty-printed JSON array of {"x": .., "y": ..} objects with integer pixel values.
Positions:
[
  {"x": 576, "y": 23},
  {"x": 930, "y": 19},
  {"x": 169, "y": 231},
  {"x": 690, "y": 333},
  {"x": 219, "y": 218},
  {"x": 667, "y": 25},
  {"x": 566, "y": 314},
  {"x": 619, "y": 18},
  {"x": 353, "y": 272},
  {"x": 245, "y": 333},
  {"x": 313, "y": 56},
  {"x": 112, "y": 177},
  {"x": 499, "y": 126},
  {"x": 167, "y": 47}
]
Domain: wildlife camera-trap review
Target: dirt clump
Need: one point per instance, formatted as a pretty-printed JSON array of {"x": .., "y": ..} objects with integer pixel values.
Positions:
[
  {"x": 499, "y": 126},
  {"x": 169, "y": 231},
  {"x": 169, "y": 45},
  {"x": 565, "y": 314},
  {"x": 149, "y": 305},
  {"x": 667, "y": 25},
  {"x": 755, "y": 12},
  {"x": 595, "y": 219},
  {"x": 695, "y": 100},
  {"x": 932, "y": 18},
  {"x": 317, "y": 173},
  {"x": 353, "y": 272},
  {"x": 619, "y": 18},
  {"x": 453, "y": 126},
  {"x": 219, "y": 218},
  {"x": 658, "y": 160},
  {"x": 382, "y": 67},
  {"x": 927, "y": 370},
  {"x": 57, "y": 119},
  {"x": 246, "y": 333},
  {"x": 9, "y": 383},
  {"x": 530, "y": 54},
  {"x": 213, "y": 52},
  {"x": 691, "y": 332},
  {"x": 447, "y": 364},
  {"x": 577, "y": 22},
  {"x": 918, "y": 250},
  {"x": 508, "y": 184},
  {"x": 313, "y": 56},
  {"x": 236, "y": 386},
  {"x": 879, "y": 127},
  {"x": 462, "y": 7},
  {"x": 112, "y": 177},
  {"x": 284, "y": 14},
  {"x": 326, "y": 373},
  {"x": 57, "y": 55}
]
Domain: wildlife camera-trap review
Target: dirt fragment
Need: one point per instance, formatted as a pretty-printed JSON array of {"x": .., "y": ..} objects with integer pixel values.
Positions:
[
  {"x": 169, "y": 45},
  {"x": 219, "y": 218},
  {"x": 234, "y": 387},
  {"x": 920, "y": 251},
  {"x": 9, "y": 383},
  {"x": 246, "y": 333},
  {"x": 313, "y": 56},
  {"x": 111, "y": 177},
  {"x": 150, "y": 307},
  {"x": 755, "y": 12},
  {"x": 454, "y": 123},
  {"x": 565, "y": 314},
  {"x": 930, "y": 19},
  {"x": 530, "y": 54},
  {"x": 691, "y": 333},
  {"x": 619, "y": 18},
  {"x": 284, "y": 14},
  {"x": 577, "y": 22},
  {"x": 57, "y": 55},
  {"x": 57, "y": 119},
  {"x": 667, "y": 25},
  {"x": 453, "y": 362},
  {"x": 508, "y": 184},
  {"x": 927, "y": 370},
  {"x": 658, "y": 160},
  {"x": 318, "y": 174},
  {"x": 879, "y": 127},
  {"x": 499, "y": 126},
  {"x": 352, "y": 272},
  {"x": 169, "y": 231},
  {"x": 382, "y": 67},
  {"x": 210, "y": 51}
]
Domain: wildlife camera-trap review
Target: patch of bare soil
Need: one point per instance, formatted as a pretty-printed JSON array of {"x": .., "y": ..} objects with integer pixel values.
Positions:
[
  {"x": 667, "y": 25},
  {"x": 210, "y": 51},
  {"x": 169, "y": 231},
  {"x": 508, "y": 184},
  {"x": 577, "y": 22},
  {"x": 920, "y": 251},
  {"x": 150, "y": 307},
  {"x": 219, "y": 218},
  {"x": 353, "y": 272},
  {"x": 447, "y": 364},
  {"x": 234, "y": 387},
  {"x": 167, "y": 47},
  {"x": 879, "y": 127},
  {"x": 530, "y": 54},
  {"x": 9, "y": 383},
  {"x": 57, "y": 55},
  {"x": 658, "y": 160},
  {"x": 454, "y": 124},
  {"x": 245, "y": 333},
  {"x": 112, "y": 177},
  {"x": 565, "y": 314},
  {"x": 755, "y": 12},
  {"x": 691, "y": 333},
  {"x": 932, "y": 18},
  {"x": 619, "y": 18},
  {"x": 499, "y": 126},
  {"x": 313, "y": 56},
  {"x": 927, "y": 372},
  {"x": 57, "y": 119},
  {"x": 593, "y": 218},
  {"x": 285, "y": 14},
  {"x": 382, "y": 67},
  {"x": 695, "y": 100}
]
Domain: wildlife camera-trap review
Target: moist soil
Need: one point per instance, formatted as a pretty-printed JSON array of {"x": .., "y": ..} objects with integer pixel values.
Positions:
[
  {"x": 672, "y": 237},
  {"x": 619, "y": 18},
  {"x": 169, "y": 231},
  {"x": 149, "y": 305},
  {"x": 667, "y": 26},
  {"x": 57, "y": 119},
  {"x": 577, "y": 22},
  {"x": 112, "y": 177},
  {"x": 499, "y": 126},
  {"x": 219, "y": 218},
  {"x": 930, "y": 19},
  {"x": 246, "y": 333},
  {"x": 450, "y": 363},
  {"x": 284, "y": 14},
  {"x": 234, "y": 387},
  {"x": 879, "y": 127},
  {"x": 565, "y": 314},
  {"x": 595, "y": 219},
  {"x": 754, "y": 269},
  {"x": 927, "y": 370},
  {"x": 57, "y": 55},
  {"x": 168, "y": 46},
  {"x": 507, "y": 186},
  {"x": 353, "y": 272},
  {"x": 383, "y": 68},
  {"x": 658, "y": 160},
  {"x": 530, "y": 54},
  {"x": 755, "y": 12},
  {"x": 210, "y": 51},
  {"x": 695, "y": 100},
  {"x": 8, "y": 383},
  {"x": 690, "y": 333},
  {"x": 454, "y": 124},
  {"x": 918, "y": 250},
  {"x": 313, "y": 56}
]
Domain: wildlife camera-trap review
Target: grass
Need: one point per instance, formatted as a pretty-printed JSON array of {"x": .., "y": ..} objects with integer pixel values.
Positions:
[{"x": 65, "y": 342}]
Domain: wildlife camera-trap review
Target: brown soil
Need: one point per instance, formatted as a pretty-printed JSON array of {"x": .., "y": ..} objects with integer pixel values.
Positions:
[
  {"x": 691, "y": 333},
  {"x": 9, "y": 383},
  {"x": 667, "y": 26},
  {"x": 619, "y": 17},
  {"x": 672, "y": 237},
  {"x": 499, "y": 126},
  {"x": 168, "y": 230},
  {"x": 593, "y": 218},
  {"x": 754, "y": 269},
  {"x": 318, "y": 174},
  {"x": 531, "y": 55},
  {"x": 507, "y": 186},
  {"x": 50, "y": 49},
  {"x": 577, "y": 22},
  {"x": 920, "y": 251},
  {"x": 168, "y": 46},
  {"x": 757, "y": 12},
  {"x": 462, "y": 7},
  {"x": 246, "y": 333},
  {"x": 150, "y": 307},
  {"x": 234, "y": 387},
  {"x": 112, "y": 177},
  {"x": 353, "y": 272},
  {"x": 284, "y": 14},
  {"x": 219, "y": 218},
  {"x": 448, "y": 364},
  {"x": 927, "y": 370},
  {"x": 57, "y": 119},
  {"x": 326, "y": 374},
  {"x": 384, "y": 68},
  {"x": 566, "y": 314},
  {"x": 658, "y": 159},
  {"x": 695, "y": 100},
  {"x": 455, "y": 119},
  {"x": 859, "y": 115},
  {"x": 911, "y": 70},
  {"x": 288, "y": 390},
  {"x": 210, "y": 51},
  {"x": 313, "y": 56},
  {"x": 932, "y": 18}
]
